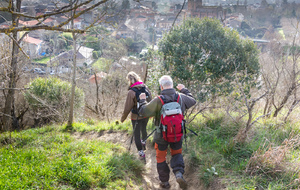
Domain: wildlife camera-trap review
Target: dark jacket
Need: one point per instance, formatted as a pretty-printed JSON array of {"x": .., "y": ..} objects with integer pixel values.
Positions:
[
  {"x": 131, "y": 102},
  {"x": 153, "y": 107}
]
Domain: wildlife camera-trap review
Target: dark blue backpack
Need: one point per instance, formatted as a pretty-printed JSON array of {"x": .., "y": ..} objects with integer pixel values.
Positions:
[{"x": 138, "y": 91}]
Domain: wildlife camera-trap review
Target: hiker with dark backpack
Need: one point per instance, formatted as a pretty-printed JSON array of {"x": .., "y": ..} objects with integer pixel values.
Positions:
[
  {"x": 139, "y": 123},
  {"x": 168, "y": 109}
]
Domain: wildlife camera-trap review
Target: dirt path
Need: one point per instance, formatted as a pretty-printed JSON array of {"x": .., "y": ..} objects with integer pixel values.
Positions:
[{"x": 150, "y": 177}]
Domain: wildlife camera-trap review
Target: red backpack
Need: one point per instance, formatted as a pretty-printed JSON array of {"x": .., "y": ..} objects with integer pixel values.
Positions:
[{"x": 171, "y": 120}]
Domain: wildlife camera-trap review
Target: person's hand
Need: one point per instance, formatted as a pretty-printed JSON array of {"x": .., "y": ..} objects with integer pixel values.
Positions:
[
  {"x": 180, "y": 86},
  {"x": 142, "y": 96}
]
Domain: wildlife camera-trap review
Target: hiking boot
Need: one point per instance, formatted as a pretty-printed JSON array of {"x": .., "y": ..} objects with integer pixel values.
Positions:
[
  {"x": 180, "y": 180},
  {"x": 165, "y": 185},
  {"x": 142, "y": 156},
  {"x": 143, "y": 144}
]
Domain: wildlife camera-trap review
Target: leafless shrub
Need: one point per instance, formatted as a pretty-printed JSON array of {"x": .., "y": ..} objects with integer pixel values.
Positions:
[
  {"x": 280, "y": 72},
  {"x": 105, "y": 98}
]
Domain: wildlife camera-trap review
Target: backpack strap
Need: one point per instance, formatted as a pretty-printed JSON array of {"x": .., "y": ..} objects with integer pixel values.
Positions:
[
  {"x": 161, "y": 99},
  {"x": 177, "y": 97},
  {"x": 136, "y": 92}
]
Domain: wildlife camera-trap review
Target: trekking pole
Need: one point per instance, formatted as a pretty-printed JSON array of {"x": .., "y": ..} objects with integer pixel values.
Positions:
[
  {"x": 192, "y": 131},
  {"x": 185, "y": 134},
  {"x": 149, "y": 135}
]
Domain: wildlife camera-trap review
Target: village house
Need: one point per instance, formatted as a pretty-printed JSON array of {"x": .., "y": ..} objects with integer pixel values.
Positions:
[
  {"x": 33, "y": 47},
  {"x": 78, "y": 23},
  {"x": 87, "y": 53},
  {"x": 139, "y": 10},
  {"x": 64, "y": 61},
  {"x": 99, "y": 76},
  {"x": 48, "y": 21},
  {"x": 235, "y": 20},
  {"x": 164, "y": 22},
  {"x": 196, "y": 9},
  {"x": 123, "y": 32}
]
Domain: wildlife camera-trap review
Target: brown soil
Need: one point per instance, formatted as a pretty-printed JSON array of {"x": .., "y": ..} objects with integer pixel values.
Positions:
[{"x": 150, "y": 176}]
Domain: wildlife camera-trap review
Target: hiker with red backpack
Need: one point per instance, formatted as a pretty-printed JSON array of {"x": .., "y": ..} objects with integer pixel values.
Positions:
[
  {"x": 139, "y": 123},
  {"x": 168, "y": 109}
]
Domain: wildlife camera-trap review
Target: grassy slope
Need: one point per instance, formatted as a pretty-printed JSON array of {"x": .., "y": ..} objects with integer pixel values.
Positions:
[
  {"x": 50, "y": 158},
  {"x": 263, "y": 162}
]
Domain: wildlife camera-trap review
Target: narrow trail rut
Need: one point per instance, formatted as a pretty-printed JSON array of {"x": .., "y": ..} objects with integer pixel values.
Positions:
[{"x": 150, "y": 176}]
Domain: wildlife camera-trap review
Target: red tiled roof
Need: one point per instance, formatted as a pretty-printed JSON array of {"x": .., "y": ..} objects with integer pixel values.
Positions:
[
  {"x": 4, "y": 26},
  {"x": 77, "y": 20},
  {"x": 32, "y": 40},
  {"x": 34, "y": 22},
  {"x": 29, "y": 23},
  {"x": 141, "y": 19},
  {"x": 48, "y": 20}
]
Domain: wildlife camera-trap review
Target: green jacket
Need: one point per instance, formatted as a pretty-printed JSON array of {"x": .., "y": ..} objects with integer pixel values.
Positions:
[{"x": 154, "y": 106}]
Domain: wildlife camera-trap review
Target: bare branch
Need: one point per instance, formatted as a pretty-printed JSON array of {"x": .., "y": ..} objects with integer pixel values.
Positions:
[
  {"x": 6, "y": 115},
  {"x": 4, "y": 9},
  {"x": 99, "y": 17},
  {"x": 178, "y": 14},
  {"x": 259, "y": 118},
  {"x": 18, "y": 46},
  {"x": 62, "y": 10},
  {"x": 37, "y": 27},
  {"x": 14, "y": 88},
  {"x": 295, "y": 103},
  {"x": 82, "y": 12}
]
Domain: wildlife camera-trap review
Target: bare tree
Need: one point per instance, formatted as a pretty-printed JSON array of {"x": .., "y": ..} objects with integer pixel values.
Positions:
[
  {"x": 280, "y": 73},
  {"x": 244, "y": 103},
  {"x": 14, "y": 9},
  {"x": 106, "y": 96}
]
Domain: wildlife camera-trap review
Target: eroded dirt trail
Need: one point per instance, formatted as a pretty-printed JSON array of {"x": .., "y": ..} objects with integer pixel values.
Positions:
[{"x": 150, "y": 176}]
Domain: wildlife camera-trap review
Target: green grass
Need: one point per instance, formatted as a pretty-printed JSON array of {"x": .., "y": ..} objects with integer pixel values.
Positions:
[
  {"x": 49, "y": 158},
  {"x": 216, "y": 155},
  {"x": 43, "y": 60},
  {"x": 98, "y": 126},
  {"x": 281, "y": 32}
]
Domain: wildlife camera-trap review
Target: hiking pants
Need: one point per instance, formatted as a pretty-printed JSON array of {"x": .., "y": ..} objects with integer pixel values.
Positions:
[
  {"x": 139, "y": 128},
  {"x": 177, "y": 163}
]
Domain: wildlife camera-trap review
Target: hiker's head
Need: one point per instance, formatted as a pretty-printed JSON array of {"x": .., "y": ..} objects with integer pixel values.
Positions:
[
  {"x": 165, "y": 82},
  {"x": 132, "y": 78}
]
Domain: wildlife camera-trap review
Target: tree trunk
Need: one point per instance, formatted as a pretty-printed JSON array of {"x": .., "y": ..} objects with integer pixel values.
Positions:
[
  {"x": 71, "y": 111},
  {"x": 266, "y": 105},
  {"x": 9, "y": 109},
  {"x": 284, "y": 101},
  {"x": 294, "y": 104},
  {"x": 146, "y": 73}
]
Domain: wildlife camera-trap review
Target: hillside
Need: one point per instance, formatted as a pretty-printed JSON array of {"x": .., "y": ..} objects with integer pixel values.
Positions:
[
  {"x": 94, "y": 155},
  {"x": 150, "y": 176}
]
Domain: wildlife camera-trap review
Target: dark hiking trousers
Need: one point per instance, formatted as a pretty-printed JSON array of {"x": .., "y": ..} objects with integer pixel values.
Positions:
[
  {"x": 140, "y": 127},
  {"x": 177, "y": 163}
]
